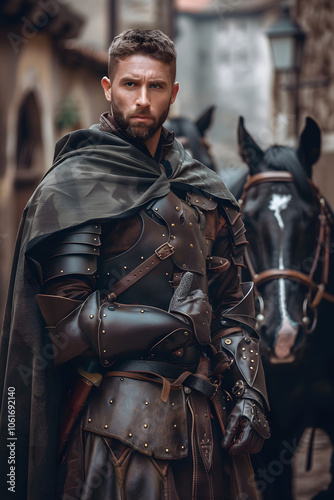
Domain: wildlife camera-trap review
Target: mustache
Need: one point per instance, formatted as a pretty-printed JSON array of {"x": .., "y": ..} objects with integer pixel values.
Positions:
[{"x": 141, "y": 113}]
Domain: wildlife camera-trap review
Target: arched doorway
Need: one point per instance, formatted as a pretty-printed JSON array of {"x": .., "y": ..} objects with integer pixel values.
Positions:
[{"x": 29, "y": 153}]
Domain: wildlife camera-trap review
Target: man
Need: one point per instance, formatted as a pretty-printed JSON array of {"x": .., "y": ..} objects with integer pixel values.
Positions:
[{"x": 129, "y": 254}]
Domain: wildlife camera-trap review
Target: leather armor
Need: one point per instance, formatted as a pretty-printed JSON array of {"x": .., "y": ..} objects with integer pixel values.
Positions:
[{"x": 145, "y": 321}]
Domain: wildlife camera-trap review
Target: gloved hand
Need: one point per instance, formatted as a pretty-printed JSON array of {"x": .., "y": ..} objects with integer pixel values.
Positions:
[
  {"x": 191, "y": 303},
  {"x": 246, "y": 429}
]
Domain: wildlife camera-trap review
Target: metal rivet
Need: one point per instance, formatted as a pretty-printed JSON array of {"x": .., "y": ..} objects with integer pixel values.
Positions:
[
  {"x": 142, "y": 311},
  {"x": 91, "y": 316},
  {"x": 182, "y": 447},
  {"x": 174, "y": 426},
  {"x": 172, "y": 237},
  {"x": 142, "y": 258},
  {"x": 124, "y": 267},
  {"x": 177, "y": 208},
  {"x": 111, "y": 401},
  {"x": 190, "y": 224},
  {"x": 163, "y": 234},
  {"x": 147, "y": 403},
  {"x": 156, "y": 209},
  {"x": 146, "y": 445},
  {"x": 186, "y": 333},
  {"x": 167, "y": 450},
  {"x": 121, "y": 379},
  {"x": 61, "y": 271},
  {"x": 251, "y": 367},
  {"x": 103, "y": 331},
  {"x": 130, "y": 435},
  {"x": 173, "y": 404},
  {"x": 252, "y": 350},
  {"x": 88, "y": 268},
  {"x": 187, "y": 390},
  {"x": 104, "y": 315},
  {"x": 104, "y": 350},
  {"x": 89, "y": 420},
  {"x": 172, "y": 224},
  {"x": 252, "y": 361},
  {"x": 244, "y": 357},
  {"x": 228, "y": 341},
  {"x": 106, "y": 427},
  {"x": 145, "y": 426},
  {"x": 191, "y": 245},
  {"x": 184, "y": 266},
  {"x": 243, "y": 348}
]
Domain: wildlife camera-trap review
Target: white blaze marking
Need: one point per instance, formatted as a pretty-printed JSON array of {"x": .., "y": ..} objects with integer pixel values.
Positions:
[
  {"x": 288, "y": 329},
  {"x": 278, "y": 203}
]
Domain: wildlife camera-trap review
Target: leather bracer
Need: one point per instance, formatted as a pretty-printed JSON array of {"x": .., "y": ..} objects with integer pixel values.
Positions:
[
  {"x": 237, "y": 346},
  {"x": 112, "y": 330}
]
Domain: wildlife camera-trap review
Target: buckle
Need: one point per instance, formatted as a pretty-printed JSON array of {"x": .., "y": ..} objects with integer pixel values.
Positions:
[
  {"x": 239, "y": 388},
  {"x": 164, "y": 251}
]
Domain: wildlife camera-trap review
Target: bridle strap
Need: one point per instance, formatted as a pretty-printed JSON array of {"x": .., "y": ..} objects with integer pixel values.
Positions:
[
  {"x": 274, "y": 274},
  {"x": 322, "y": 246},
  {"x": 279, "y": 176}
]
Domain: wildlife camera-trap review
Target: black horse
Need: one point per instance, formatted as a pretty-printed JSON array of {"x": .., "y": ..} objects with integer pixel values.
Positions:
[
  {"x": 191, "y": 134},
  {"x": 291, "y": 261}
]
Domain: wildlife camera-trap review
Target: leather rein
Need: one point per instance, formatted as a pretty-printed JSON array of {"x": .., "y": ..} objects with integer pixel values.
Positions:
[{"x": 322, "y": 253}]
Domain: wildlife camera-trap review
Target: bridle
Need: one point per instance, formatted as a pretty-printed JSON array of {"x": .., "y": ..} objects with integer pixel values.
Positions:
[{"x": 316, "y": 291}]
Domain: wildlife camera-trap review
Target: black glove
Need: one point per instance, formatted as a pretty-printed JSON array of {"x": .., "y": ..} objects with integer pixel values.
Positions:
[
  {"x": 191, "y": 303},
  {"x": 247, "y": 428}
]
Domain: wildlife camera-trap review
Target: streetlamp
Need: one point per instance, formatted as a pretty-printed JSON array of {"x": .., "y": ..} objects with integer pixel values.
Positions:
[{"x": 287, "y": 42}]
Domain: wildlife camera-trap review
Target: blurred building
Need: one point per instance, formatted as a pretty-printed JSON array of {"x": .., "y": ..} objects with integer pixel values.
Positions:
[{"x": 224, "y": 59}]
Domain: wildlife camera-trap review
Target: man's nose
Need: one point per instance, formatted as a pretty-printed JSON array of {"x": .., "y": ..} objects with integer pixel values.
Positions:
[{"x": 143, "y": 98}]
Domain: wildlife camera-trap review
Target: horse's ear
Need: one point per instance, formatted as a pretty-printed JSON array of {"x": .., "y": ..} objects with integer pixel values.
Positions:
[
  {"x": 203, "y": 122},
  {"x": 249, "y": 151},
  {"x": 309, "y": 145}
]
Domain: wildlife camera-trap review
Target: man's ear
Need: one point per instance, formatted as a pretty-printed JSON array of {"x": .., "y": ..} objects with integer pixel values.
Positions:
[
  {"x": 175, "y": 90},
  {"x": 106, "y": 84}
]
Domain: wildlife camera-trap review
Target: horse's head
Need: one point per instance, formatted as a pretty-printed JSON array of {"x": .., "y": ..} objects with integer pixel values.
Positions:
[
  {"x": 286, "y": 222},
  {"x": 191, "y": 134}
]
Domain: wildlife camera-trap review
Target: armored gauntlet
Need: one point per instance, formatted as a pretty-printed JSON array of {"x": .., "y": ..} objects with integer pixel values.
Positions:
[{"x": 237, "y": 347}]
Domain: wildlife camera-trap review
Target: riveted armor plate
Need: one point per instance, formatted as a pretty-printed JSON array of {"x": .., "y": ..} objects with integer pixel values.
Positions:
[
  {"x": 132, "y": 411},
  {"x": 73, "y": 252}
]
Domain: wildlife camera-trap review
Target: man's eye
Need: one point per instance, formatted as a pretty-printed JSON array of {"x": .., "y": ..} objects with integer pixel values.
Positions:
[
  {"x": 155, "y": 86},
  {"x": 129, "y": 84}
]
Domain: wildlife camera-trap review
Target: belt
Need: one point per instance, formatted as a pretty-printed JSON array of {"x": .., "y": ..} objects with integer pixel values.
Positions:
[{"x": 193, "y": 381}]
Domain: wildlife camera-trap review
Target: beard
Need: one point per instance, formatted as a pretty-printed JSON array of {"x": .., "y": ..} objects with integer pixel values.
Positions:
[{"x": 139, "y": 131}]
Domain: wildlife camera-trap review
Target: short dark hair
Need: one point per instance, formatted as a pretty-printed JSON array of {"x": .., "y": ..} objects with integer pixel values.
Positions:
[{"x": 152, "y": 43}]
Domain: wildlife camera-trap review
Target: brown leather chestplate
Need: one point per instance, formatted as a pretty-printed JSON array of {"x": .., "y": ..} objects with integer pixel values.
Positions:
[{"x": 180, "y": 224}]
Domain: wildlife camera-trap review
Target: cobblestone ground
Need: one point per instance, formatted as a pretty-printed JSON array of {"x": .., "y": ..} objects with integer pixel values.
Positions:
[{"x": 307, "y": 484}]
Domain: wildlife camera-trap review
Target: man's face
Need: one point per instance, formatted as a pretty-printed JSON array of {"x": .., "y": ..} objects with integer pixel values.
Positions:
[{"x": 141, "y": 93}]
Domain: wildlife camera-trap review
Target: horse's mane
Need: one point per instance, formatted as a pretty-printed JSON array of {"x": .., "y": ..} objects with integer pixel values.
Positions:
[{"x": 285, "y": 158}]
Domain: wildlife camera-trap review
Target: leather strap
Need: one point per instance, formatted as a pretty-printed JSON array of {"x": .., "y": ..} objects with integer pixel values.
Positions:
[
  {"x": 192, "y": 380},
  {"x": 279, "y": 176},
  {"x": 322, "y": 246},
  {"x": 203, "y": 429},
  {"x": 160, "y": 254}
]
